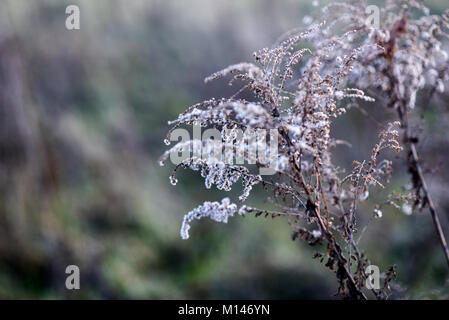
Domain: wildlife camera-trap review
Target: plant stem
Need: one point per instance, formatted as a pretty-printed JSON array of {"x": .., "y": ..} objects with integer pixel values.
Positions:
[
  {"x": 428, "y": 200},
  {"x": 418, "y": 177}
]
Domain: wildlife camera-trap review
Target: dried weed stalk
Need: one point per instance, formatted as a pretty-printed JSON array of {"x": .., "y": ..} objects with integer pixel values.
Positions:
[{"x": 299, "y": 92}]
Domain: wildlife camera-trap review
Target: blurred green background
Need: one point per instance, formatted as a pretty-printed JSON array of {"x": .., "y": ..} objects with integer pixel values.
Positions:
[{"x": 83, "y": 118}]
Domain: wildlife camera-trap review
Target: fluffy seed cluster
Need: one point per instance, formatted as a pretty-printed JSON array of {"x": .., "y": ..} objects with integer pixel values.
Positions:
[
  {"x": 402, "y": 56},
  {"x": 298, "y": 93},
  {"x": 216, "y": 211}
]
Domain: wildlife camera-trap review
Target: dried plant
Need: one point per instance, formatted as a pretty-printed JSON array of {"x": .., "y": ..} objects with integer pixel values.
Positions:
[
  {"x": 413, "y": 59},
  {"x": 299, "y": 92}
]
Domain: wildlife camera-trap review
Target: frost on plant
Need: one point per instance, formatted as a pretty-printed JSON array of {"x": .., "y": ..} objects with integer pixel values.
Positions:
[
  {"x": 299, "y": 92},
  {"x": 214, "y": 210}
]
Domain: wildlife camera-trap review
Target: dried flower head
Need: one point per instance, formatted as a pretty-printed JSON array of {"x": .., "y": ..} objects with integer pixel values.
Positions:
[{"x": 299, "y": 92}]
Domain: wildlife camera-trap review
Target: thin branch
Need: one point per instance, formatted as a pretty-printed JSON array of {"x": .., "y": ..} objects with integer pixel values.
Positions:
[
  {"x": 428, "y": 199},
  {"x": 413, "y": 159}
]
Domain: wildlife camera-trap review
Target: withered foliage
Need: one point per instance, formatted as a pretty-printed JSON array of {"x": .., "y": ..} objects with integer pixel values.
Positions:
[{"x": 300, "y": 92}]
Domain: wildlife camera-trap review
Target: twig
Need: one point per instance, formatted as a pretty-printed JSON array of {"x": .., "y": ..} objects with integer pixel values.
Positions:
[
  {"x": 413, "y": 159},
  {"x": 354, "y": 291},
  {"x": 418, "y": 176},
  {"x": 428, "y": 200}
]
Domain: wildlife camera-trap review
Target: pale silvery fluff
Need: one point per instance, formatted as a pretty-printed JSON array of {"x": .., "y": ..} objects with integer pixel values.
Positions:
[
  {"x": 299, "y": 93},
  {"x": 216, "y": 211}
]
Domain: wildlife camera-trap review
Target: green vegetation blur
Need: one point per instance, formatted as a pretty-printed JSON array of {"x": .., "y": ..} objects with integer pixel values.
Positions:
[{"x": 83, "y": 115}]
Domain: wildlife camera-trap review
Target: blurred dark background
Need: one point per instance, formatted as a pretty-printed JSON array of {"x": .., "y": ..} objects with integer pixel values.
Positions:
[{"x": 83, "y": 115}]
